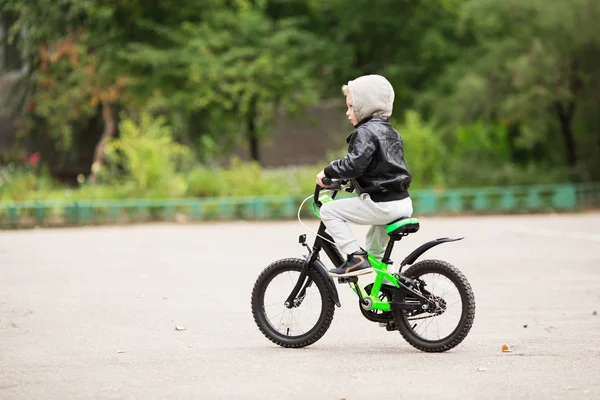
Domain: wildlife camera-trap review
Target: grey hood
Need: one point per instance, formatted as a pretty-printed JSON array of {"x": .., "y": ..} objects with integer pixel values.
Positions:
[{"x": 371, "y": 95}]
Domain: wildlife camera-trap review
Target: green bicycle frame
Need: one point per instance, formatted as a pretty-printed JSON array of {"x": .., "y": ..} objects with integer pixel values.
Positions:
[
  {"x": 380, "y": 267},
  {"x": 382, "y": 273}
]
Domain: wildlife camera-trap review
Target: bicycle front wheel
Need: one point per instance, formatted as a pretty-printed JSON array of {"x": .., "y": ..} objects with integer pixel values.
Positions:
[{"x": 301, "y": 325}]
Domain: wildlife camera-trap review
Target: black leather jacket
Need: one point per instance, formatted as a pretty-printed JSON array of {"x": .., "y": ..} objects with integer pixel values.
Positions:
[{"x": 375, "y": 161}]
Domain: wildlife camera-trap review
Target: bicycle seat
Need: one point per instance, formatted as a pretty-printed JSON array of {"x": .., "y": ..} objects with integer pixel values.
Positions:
[{"x": 402, "y": 226}]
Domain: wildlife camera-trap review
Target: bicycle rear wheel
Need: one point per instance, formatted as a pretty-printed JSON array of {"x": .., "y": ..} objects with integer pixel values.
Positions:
[
  {"x": 298, "y": 326},
  {"x": 446, "y": 326}
]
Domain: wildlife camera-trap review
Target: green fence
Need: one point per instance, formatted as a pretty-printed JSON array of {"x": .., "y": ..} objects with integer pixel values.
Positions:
[{"x": 538, "y": 198}]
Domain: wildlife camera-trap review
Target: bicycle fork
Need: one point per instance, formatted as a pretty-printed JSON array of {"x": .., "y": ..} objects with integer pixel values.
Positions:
[{"x": 297, "y": 294}]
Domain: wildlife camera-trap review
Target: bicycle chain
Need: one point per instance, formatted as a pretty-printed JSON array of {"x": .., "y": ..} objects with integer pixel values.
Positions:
[
  {"x": 417, "y": 318},
  {"x": 428, "y": 316}
]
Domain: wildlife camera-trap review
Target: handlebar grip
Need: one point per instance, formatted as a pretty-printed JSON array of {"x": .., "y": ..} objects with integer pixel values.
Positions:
[
  {"x": 327, "y": 181},
  {"x": 316, "y": 195},
  {"x": 332, "y": 185}
]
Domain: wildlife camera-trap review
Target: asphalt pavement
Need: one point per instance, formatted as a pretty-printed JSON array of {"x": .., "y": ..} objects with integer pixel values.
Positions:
[{"x": 162, "y": 311}]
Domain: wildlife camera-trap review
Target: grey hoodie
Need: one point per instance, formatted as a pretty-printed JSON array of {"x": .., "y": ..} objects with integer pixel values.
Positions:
[{"x": 371, "y": 95}]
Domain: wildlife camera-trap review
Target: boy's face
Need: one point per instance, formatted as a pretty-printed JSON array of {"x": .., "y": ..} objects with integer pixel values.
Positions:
[{"x": 350, "y": 111}]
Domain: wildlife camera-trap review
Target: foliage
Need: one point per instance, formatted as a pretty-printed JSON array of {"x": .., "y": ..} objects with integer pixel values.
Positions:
[
  {"x": 510, "y": 86},
  {"x": 148, "y": 156},
  {"x": 409, "y": 42},
  {"x": 238, "y": 63},
  {"x": 20, "y": 179},
  {"x": 248, "y": 179},
  {"x": 70, "y": 85},
  {"x": 532, "y": 67},
  {"x": 423, "y": 151},
  {"x": 436, "y": 159}
]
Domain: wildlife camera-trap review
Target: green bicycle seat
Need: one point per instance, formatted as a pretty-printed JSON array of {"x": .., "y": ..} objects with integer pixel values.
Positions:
[{"x": 402, "y": 226}]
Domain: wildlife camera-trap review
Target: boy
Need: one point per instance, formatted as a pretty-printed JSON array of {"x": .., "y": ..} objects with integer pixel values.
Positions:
[{"x": 375, "y": 165}]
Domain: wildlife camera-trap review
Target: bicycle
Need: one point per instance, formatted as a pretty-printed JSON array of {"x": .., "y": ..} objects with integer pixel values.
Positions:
[{"x": 398, "y": 301}]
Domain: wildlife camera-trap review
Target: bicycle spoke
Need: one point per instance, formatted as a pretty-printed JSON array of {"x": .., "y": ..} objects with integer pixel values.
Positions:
[
  {"x": 281, "y": 320},
  {"x": 299, "y": 327},
  {"x": 445, "y": 325},
  {"x": 438, "y": 283},
  {"x": 291, "y": 322},
  {"x": 456, "y": 302},
  {"x": 274, "y": 304},
  {"x": 450, "y": 287},
  {"x": 428, "y": 323},
  {"x": 275, "y": 316}
]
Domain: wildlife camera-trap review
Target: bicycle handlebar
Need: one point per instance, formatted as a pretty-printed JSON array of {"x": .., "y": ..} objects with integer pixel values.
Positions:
[{"x": 329, "y": 185}]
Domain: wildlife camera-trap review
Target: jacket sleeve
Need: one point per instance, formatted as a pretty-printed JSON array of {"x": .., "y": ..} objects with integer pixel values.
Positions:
[{"x": 356, "y": 161}]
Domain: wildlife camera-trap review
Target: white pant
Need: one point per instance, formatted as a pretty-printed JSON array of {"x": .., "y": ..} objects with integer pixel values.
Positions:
[{"x": 362, "y": 210}]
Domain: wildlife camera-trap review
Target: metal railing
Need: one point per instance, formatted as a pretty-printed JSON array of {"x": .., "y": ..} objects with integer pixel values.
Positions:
[{"x": 492, "y": 200}]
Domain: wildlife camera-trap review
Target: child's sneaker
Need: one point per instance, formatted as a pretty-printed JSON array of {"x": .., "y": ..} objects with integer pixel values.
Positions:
[{"x": 357, "y": 264}]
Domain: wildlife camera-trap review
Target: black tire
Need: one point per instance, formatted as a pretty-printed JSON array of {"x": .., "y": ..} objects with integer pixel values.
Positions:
[
  {"x": 258, "y": 293},
  {"x": 468, "y": 307}
]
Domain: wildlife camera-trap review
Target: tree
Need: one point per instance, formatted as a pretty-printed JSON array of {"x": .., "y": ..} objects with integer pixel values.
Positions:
[
  {"x": 70, "y": 77},
  {"x": 409, "y": 42},
  {"x": 70, "y": 87},
  {"x": 532, "y": 66},
  {"x": 237, "y": 63}
]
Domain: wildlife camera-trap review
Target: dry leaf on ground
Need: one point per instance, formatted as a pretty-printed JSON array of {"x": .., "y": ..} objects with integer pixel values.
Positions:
[
  {"x": 506, "y": 349},
  {"x": 180, "y": 328}
]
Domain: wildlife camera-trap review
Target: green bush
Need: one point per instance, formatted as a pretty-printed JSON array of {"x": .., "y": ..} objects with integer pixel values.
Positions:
[
  {"x": 149, "y": 156},
  {"x": 19, "y": 181},
  {"x": 472, "y": 155},
  {"x": 203, "y": 182},
  {"x": 423, "y": 151},
  {"x": 16, "y": 185},
  {"x": 248, "y": 179},
  {"x": 295, "y": 181},
  {"x": 146, "y": 162}
]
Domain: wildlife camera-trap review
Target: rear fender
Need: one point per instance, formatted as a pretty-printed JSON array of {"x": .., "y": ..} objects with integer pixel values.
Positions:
[{"x": 412, "y": 257}]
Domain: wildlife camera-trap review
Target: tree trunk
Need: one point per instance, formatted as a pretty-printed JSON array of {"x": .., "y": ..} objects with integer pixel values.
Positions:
[
  {"x": 109, "y": 131},
  {"x": 253, "y": 141},
  {"x": 565, "y": 117}
]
